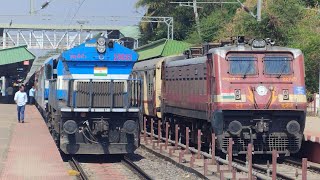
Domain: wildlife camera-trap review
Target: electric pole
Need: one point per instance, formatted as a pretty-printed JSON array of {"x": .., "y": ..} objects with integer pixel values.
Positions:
[
  {"x": 259, "y": 6},
  {"x": 196, "y": 16},
  {"x": 31, "y": 7},
  {"x": 194, "y": 3}
]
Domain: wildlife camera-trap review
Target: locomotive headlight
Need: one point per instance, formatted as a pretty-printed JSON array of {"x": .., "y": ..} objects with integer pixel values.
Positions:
[
  {"x": 70, "y": 127},
  {"x": 101, "y": 49},
  {"x": 101, "y": 41},
  {"x": 130, "y": 127},
  {"x": 293, "y": 127},
  {"x": 285, "y": 93},
  {"x": 262, "y": 90},
  {"x": 235, "y": 127},
  {"x": 237, "y": 93},
  {"x": 259, "y": 43}
]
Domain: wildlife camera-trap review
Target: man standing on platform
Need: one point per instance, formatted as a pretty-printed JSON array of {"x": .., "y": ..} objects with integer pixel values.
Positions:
[
  {"x": 21, "y": 99},
  {"x": 31, "y": 95},
  {"x": 9, "y": 92}
]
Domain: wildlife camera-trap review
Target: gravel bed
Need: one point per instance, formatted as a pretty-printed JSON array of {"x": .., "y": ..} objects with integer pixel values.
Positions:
[
  {"x": 116, "y": 171},
  {"x": 159, "y": 168}
]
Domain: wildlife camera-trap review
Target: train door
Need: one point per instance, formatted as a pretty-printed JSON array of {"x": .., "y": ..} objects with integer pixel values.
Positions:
[
  {"x": 145, "y": 92},
  {"x": 150, "y": 92},
  {"x": 158, "y": 85},
  {"x": 210, "y": 85}
]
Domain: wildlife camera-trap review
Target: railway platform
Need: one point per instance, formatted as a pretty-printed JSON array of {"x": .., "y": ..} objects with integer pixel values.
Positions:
[
  {"x": 311, "y": 147},
  {"x": 312, "y": 129},
  {"x": 27, "y": 150}
]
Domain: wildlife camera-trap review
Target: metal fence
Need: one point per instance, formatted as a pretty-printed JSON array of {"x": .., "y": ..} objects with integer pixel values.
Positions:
[{"x": 313, "y": 105}]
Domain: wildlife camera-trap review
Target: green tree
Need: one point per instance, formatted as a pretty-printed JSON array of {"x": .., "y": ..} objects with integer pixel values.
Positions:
[
  {"x": 290, "y": 24},
  {"x": 183, "y": 20}
]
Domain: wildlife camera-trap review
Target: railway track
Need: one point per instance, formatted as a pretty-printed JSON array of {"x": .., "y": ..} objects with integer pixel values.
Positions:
[
  {"x": 136, "y": 169},
  {"x": 76, "y": 166},
  {"x": 291, "y": 168},
  {"x": 125, "y": 161},
  {"x": 287, "y": 168}
]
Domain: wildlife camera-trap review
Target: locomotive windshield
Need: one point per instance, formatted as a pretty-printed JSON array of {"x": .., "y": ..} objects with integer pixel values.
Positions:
[
  {"x": 277, "y": 65},
  {"x": 242, "y": 65}
]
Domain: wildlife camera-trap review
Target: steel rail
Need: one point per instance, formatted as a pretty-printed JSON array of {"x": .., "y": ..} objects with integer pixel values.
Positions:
[
  {"x": 264, "y": 170},
  {"x": 238, "y": 166},
  {"x": 136, "y": 169},
  {"x": 76, "y": 166},
  {"x": 298, "y": 163}
]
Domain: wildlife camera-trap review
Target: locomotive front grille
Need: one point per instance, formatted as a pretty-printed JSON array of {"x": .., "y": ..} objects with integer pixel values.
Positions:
[
  {"x": 99, "y": 94},
  {"x": 281, "y": 144}
]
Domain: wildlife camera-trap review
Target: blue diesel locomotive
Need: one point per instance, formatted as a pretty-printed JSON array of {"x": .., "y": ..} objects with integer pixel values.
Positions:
[{"x": 86, "y": 95}]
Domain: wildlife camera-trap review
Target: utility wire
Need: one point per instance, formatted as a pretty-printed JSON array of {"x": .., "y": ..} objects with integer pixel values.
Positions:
[{"x": 76, "y": 12}]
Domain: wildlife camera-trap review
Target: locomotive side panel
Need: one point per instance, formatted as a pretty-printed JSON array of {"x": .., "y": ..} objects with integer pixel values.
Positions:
[{"x": 185, "y": 89}]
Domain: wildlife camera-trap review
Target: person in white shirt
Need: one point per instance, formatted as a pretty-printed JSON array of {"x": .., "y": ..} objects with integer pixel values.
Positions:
[
  {"x": 21, "y": 99},
  {"x": 31, "y": 95}
]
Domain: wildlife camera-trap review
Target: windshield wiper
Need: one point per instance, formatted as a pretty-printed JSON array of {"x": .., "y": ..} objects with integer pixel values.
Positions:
[
  {"x": 247, "y": 71},
  {"x": 282, "y": 70}
]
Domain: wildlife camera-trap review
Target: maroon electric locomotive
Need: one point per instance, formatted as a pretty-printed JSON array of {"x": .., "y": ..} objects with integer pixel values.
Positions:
[{"x": 253, "y": 92}]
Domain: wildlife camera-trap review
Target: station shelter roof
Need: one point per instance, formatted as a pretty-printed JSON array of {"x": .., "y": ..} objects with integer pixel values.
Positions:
[
  {"x": 131, "y": 31},
  {"x": 162, "y": 48},
  {"x": 14, "y": 55},
  {"x": 13, "y": 58}
]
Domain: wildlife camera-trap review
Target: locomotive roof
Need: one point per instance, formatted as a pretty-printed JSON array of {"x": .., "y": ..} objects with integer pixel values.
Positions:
[
  {"x": 87, "y": 52},
  {"x": 151, "y": 64},
  {"x": 197, "y": 60},
  {"x": 222, "y": 51},
  {"x": 50, "y": 58}
]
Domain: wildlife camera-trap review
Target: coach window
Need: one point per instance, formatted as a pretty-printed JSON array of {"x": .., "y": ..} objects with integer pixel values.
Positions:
[
  {"x": 48, "y": 71},
  {"x": 242, "y": 65},
  {"x": 277, "y": 65},
  {"x": 150, "y": 79}
]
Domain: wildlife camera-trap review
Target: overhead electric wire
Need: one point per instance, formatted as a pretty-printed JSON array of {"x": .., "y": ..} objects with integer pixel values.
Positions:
[{"x": 76, "y": 12}]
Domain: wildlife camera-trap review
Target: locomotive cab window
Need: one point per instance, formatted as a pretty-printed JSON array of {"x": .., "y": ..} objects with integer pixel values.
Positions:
[
  {"x": 242, "y": 65},
  {"x": 277, "y": 65}
]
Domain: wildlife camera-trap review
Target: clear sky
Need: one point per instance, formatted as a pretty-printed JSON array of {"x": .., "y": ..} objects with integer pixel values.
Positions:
[{"x": 62, "y": 11}]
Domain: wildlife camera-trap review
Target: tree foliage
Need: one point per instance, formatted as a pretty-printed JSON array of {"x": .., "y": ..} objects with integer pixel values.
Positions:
[
  {"x": 291, "y": 23},
  {"x": 151, "y": 31}
]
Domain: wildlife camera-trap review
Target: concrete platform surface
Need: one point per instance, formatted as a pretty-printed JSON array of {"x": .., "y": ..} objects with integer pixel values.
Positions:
[{"x": 27, "y": 149}]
